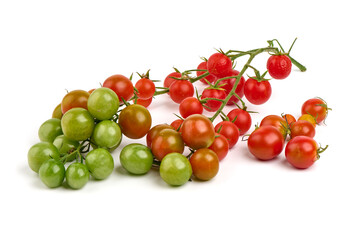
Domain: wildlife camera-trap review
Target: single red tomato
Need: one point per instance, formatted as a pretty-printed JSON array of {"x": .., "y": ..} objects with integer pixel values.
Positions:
[
  {"x": 121, "y": 85},
  {"x": 290, "y": 119},
  {"x": 257, "y": 92},
  {"x": 74, "y": 99},
  {"x": 134, "y": 121},
  {"x": 176, "y": 124},
  {"x": 169, "y": 78},
  {"x": 228, "y": 85},
  {"x": 181, "y": 89},
  {"x": 229, "y": 130},
  {"x": 213, "y": 105},
  {"x": 210, "y": 78},
  {"x": 165, "y": 142},
  {"x": 241, "y": 119},
  {"x": 220, "y": 146},
  {"x": 279, "y": 66},
  {"x": 276, "y": 121},
  {"x": 197, "y": 131},
  {"x": 189, "y": 106},
  {"x": 154, "y": 131},
  {"x": 316, "y": 107},
  {"x": 266, "y": 142},
  {"x": 204, "y": 163},
  {"x": 302, "y": 128},
  {"x": 219, "y": 65},
  {"x": 145, "y": 88},
  {"x": 143, "y": 102}
]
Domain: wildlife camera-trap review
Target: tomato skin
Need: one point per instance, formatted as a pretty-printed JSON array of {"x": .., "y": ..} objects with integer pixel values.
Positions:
[
  {"x": 290, "y": 119},
  {"x": 176, "y": 124},
  {"x": 154, "y": 131},
  {"x": 57, "y": 113},
  {"x": 145, "y": 87},
  {"x": 77, "y": 124},
  {"x": 106, "y": 134},
  {"x": 169, "y": 80},
  {"x": 205, "y": 164},
  {"x": 301, "y": 152},
  {"x": 175, "y": 169},
  {"x": 41, "y": 152},
  {"x": 219, "y": 65},
  {"x": 103, "y": 103},
  {"x": 257, "y": 92},
  {"x": 266, "y": 142},
  {"x": 189, "y": 106},
  {"x": 276, "y": 121},
  {"x": 197, "y": 131},
  {"x": 220, "y": 146},
  {"x": 135, "y": 121},
  {"x": 279, "y": 66},
  {"x": 121, "y": 85},
  {"x": 181, "y": 89},
  {"x": 242, "y": 121},
  {"x": 229, "y": 130},
  {"x": 309, "y": 118},
  {"x": 49, "y": 130},
  {"x": 74, "y": 99},
  {"x": 315, "y": 107},
  {"x": 302, "y": 128},
  {"x": 210, "y": 78},
  {"x": 165, "y": 142},
  {"x": 228, "y": 84},
  {"x": 213, "y": 105},
  {"x": 143, "y": 102},
  {"x": 100, "y": 163},
  {"x": 136, "y": 158}
]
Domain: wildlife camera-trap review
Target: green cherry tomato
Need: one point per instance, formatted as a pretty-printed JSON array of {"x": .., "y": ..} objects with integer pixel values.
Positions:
[
  {"x": 49, "y": 130},
  {"x": 52, "y": 173},
  {"x": 66, "y": 146},
  {"x": 41, "y": 152},
  {"x": 103, "y": 103},
  {"x": 77, "y": 124},
  {"x": 100, "y": 163},
  {"x": 107, "y": 134},
  {"x": 77, "y": 175},
  {"x": 136, "y": 158},
  {"x": 175, "y": 169}
]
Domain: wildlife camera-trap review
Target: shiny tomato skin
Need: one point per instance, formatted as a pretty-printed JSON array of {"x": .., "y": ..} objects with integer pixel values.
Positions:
[
  {"x": 210, "y": 78},
  {"x": 165, "y": 142},
  {"x": 145, "y": 88},
  {"x": 197, "y": 131},
  {"x": 181, "y": 89},
  {"x": 315, "y": 107},
  {"x": 257, "y": 92},
  {"x": 135, "y": 121},
  {"x": 169, "y": 80},
  {"x": 301, "y": 152},
  {"x": 219, "y": 65},
  {"x": 220, "y": 146},
  {"x": 213, "y": 105},
  {"x": 309, "y": 118},
  {"x": 155, "y": 131},
  {"x": 229, "y": 130},
  {"x": 290, "y": 119},
  {"x": 266, "y": 142},
  {"x": 143, "y": 102},
  {"x": 242, "y": 121},
  {"x": 176, "y": 124},
  {"x": 228, "y": 85},
  {"x": 276, "y": 121},
  {"x": 279, "y": 66},
  {"x": 74, "y": 99},
  {"x": 302, "y": 128},
  {"x": 205, "y": 164},
  {"x": 189, "y": 106},
  {"x": 121, "y": 85}
]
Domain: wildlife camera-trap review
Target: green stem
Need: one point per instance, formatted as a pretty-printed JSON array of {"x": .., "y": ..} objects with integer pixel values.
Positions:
[{"x": 297, "y": 64}]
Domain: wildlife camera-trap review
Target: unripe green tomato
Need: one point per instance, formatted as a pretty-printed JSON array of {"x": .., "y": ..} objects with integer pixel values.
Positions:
[
  {"x": 52, "y": 173},
  {"x": 77, "y": 124},
  {"x": 77, "y": 175},
  {"x": 100, "y": 163},
  {"x": 107, "y": 134},
  {"x": 49, "y": 130},
  {"x": 175, "y": 169},
  {"x": 41, "y": 152},
  {"x": 66, "y": 146},
  {"x": 136, "y": 158},
  {"x": 103, "y": 103}
]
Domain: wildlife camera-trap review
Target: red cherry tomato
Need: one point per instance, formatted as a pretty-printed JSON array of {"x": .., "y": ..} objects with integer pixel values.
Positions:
[
  {"x": 241, "y": 119},
  {"x": 74, "y": 99},
  {"x": 143, "y": 102},
  {"x": 266, "y": 142},
  {"x": 213, "y": 105},
  {"x": 290, "y": 119},
  {"x": 121, "y": 85},
  {"x": 210, "y": 78},
  {"x": 279, "y": 66},
  {"x": 257, "y": 92},
  {"x": 302, "y": 128},
  {"x": 154, "y": 131},
  {"x": 220, "y": 146},
  {"x": 276, "y": 121},
  {"x": 205, "y": 164},
  {"x": 229, "y": 130},
  {"x": 189, "y": 106},
  {"x": 145, "y": 87},
  {"x": 219, "y": 65},
  {"x": 181, "y": 89},
  {"x": 165, "y": 142},
  {"x": 317, "y": 108},
  {"x": 176, "y": 124},
  {"x": 169, "y": 80},
  {"x": 228, "y": 85},
  {"x": 197, "y": 131}
]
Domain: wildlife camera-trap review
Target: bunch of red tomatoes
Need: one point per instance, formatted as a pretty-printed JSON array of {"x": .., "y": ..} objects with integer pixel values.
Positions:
[{"x": 87, "y": 126}]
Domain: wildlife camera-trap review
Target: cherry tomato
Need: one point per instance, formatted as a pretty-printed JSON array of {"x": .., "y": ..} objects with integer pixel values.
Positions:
[
  {"x": 49, "y": 130},
  {"x": 145, "y": 87},
  {"x": 74, "y": 99},
  {"x": 219, "y": 65},
  {"x": 136, "y": 158},
  {"x": 279, "y": 66},
  {"x": 276, "y": 121},
  {"x": 210, "y": 78},
  {"x": 302, "y": 128},
  {"x": 317, "y": 108},
  {"x": 52, "y": 173},
  {"x": 169, "y": 79},
  {"x": 175, "y": 169},
  {"x": 220, "y": 146},
  {"x": 121, "y": 85},
  {"x": 154, "y": 131},
  {"x": 266, "y": 142},
  {"x": 257, "y": 92},
  {"x": 66, "y": 146},
  {"x": 205, "y": 164},
  {"x": 197, "y": 131},
  {"x": 228, "y": 85},
  {"x": 77, "y": 124},
  {"x": 100, "y": 163},
  {"x": 302, "y": 151},
  {"x": 213, "y": 105},
  {"x": 176, "y": 124},
  {"x": 77, "y": 175},
  {"x": 134, "y": 121},
  {"x": 103, "y": 103},
  {"x": 241, "y": 119},
  {"x": 91, "y": 90},
  {"x": 41, "y": 152},
  {"x": 57, "y": 113},
  {"x": 165, "y": 142},
  {"x": 181, "y": 89},
  {"x": 229, "y": 130},
  {"x": 107, "y": 134},
  {"x": 309, "y": 118},
  {"x": 189, "y": 106},
  {"x": 143, "y": 102},
  {"x": 290, "y": 119}
]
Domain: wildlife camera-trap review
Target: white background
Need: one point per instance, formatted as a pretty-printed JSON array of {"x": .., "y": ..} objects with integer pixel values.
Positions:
[{"x": 49, "y": 46}]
